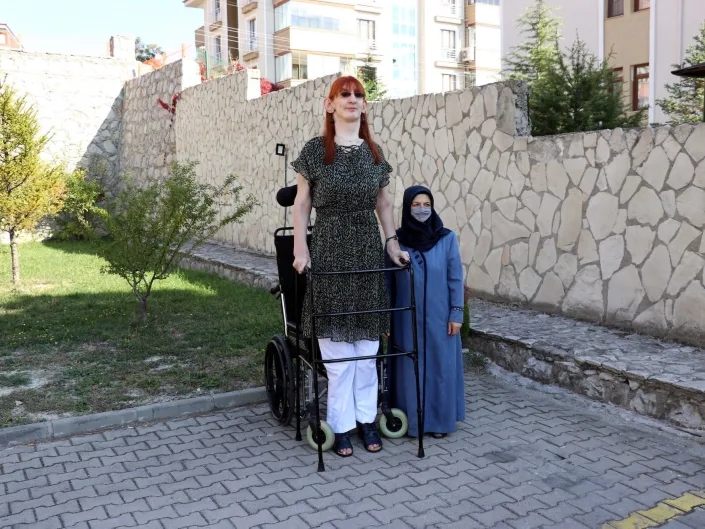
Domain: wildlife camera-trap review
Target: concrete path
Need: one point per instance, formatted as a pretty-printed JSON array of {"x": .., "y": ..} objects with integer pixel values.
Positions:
[{"x": 524, "y": 458}]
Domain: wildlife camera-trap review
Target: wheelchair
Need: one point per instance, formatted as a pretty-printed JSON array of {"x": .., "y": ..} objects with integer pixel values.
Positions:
[{"x": 293, "y": 365}]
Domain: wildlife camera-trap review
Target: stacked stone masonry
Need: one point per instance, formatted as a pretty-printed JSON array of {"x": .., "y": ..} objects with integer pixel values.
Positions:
[
  {"x": 605, "y": 226},
  {"x": 78, "y": 101},
  {"x": 148, "y": 138}
]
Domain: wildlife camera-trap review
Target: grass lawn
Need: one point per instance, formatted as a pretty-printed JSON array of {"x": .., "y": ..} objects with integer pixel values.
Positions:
[{"x": 71, "y": 340}]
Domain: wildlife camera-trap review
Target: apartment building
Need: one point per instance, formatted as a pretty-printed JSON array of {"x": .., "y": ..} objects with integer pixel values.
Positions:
[
  {"x": 415, "y": 46},
  {"x": 643, "y": 38},
  {"x": 218, "y": 37},
  {"x": 8, "y": 40}
]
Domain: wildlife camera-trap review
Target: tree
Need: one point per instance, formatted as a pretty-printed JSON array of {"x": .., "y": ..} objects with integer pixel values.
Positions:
[
  {"x": 685, "y": 101},
  {"x": 144, "y": 51},
  {"x": 568, "y": 92},
  {"x": 374, "y": 88},
  {"x": 152, "y": 227},
  {"x": 578, "y": 95},
  {"x": 539, "y": 52},
  {"x": 30, "y": 189}
]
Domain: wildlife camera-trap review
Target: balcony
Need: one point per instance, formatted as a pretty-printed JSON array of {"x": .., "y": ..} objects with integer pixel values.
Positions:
[
  {"x": 251, "y": 47},
  {"x": 249, "y": 5},
  {"x": 451, "y": 13},
  {"x": 367, "y": 47},
  {"x": 216, "y": 19},
  {"x": 448, "y": 58},
  {"x": 195, "y": 3},
  {"x": 483, "y": 14},
  {"x": 449, "y": 54}
]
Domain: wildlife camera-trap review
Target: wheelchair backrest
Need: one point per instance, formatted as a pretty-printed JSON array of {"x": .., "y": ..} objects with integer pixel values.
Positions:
[{"x": 288, "y": 278}]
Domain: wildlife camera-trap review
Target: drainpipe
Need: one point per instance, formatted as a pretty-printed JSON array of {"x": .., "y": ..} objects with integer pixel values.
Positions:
[
  {"x": 600, "y": 29},
  {"x": 652, "y": 60}
]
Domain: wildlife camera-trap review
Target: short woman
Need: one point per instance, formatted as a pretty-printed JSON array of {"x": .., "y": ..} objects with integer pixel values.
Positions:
[
  {"x": 438, "y": 284},
  {"x": 344, "y": 175}
]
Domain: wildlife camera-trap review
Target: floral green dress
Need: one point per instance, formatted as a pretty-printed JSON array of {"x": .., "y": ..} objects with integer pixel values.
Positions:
[{"x": 346, "y": 236}]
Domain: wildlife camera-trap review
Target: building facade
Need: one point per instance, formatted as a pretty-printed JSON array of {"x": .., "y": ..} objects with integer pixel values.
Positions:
[
  {"x": 414, "y": 46},
  {"x": 642, "y": 40},
  {"x": 8, "y": 40},
  {"x": 218, "y": 37}
]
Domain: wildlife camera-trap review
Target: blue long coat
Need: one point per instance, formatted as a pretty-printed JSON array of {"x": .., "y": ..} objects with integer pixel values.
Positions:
[{"x": 438, "y": 281}]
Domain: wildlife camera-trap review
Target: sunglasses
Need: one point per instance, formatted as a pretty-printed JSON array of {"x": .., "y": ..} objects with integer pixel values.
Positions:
[{"x": 358, "y": 95}]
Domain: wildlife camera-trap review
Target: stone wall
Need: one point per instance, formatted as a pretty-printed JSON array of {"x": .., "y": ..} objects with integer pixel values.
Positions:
[
  {"x": 427, "y": 139},
  {"x": 147, "y": 144},
  {"x": 78, "y": 100},
  {"x": 605, "y": 226}
]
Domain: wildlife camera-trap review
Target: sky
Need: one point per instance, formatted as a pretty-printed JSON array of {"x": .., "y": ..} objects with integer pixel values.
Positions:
[{"x": 84, "y": 27}]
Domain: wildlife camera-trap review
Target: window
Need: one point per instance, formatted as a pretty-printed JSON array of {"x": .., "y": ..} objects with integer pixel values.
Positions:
[
  {"x": 218, "y": 50},
  {"x": 252, "y": 34},
  {"x": 216, "y": 11},
  {"x": 640, "y": 87},
  {"x": 299, "y": 67},
  {"x": 488, "y": 2},
  {"x": 448, "y": 39},
  {"x": 617, "y": 80},
  {"x": 640, "y": 5},
  {"x": 366, "y": 30},
  {"x": 615, "y": 8},
  {"x": 404, "y": 48},
  {"x": 471, "y": 38},
  {"x": 282, "y": 68},
  {"x": 290, "y": 66},
  {"x": 449, "y": 82},
  {"x": 282, "y": 17}
]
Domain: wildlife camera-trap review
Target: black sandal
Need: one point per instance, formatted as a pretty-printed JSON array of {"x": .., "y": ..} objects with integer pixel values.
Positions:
[
  {"x": 437, "y": 435},
  {"x": 342, "y": 442},
  {"x": 369, "y": 435}
]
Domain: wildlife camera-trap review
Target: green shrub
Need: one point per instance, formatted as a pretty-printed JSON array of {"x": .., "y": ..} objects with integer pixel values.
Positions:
[{"x": 80, "y": 211}]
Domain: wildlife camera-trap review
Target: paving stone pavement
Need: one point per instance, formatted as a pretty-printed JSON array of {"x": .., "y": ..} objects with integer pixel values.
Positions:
[{"x": 523, "y": 459}]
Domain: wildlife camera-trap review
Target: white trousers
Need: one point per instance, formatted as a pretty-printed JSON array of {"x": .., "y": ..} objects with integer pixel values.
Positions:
[{"x": 352, "y": 386}]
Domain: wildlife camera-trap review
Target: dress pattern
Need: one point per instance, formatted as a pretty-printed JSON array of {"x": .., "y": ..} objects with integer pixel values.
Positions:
[{"x": 345, "y": 237}]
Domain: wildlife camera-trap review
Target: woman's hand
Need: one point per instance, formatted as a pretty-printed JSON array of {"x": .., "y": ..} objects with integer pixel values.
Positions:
[
  {"x": 302, "y": 262},
  {"x": 454, "y": 328},
  {"x": 398, "y": 257}
]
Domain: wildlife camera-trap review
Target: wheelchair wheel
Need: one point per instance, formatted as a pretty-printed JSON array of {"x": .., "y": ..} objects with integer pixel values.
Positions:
[
  {"x": 328, "y": 436},
  {"x": 279, "y": 380},
  {"x": 395, "y": 428}
]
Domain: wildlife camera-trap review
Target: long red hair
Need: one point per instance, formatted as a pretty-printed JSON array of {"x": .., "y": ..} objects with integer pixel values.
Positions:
[{"x": 346, "y": 84}]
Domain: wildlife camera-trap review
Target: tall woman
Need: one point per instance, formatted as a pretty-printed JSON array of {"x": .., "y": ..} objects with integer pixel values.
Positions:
[
  {"x": 344, "y": 175},
  {"x": 438, "y": 286}
]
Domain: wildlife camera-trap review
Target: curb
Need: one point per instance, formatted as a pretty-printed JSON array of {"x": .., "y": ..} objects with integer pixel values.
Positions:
[
  {"x": 653, "y": 396},
  {"x": 82, "y": 424}
]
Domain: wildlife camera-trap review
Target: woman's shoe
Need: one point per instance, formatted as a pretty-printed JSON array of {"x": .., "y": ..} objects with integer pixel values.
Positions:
[
  {"x": 370, "y": 436},
  {"x": 342, "y": 442},
  {"x": 437, "y": 435}
]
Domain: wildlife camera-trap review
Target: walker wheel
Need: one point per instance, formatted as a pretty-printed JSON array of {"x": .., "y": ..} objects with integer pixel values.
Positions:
[
  {"x": 395, "y": 428},
  {"x": 327, "y": 440}
]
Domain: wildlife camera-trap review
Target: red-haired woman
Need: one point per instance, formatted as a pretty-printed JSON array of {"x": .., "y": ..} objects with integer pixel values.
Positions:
[{"x": 344, "y": 175}]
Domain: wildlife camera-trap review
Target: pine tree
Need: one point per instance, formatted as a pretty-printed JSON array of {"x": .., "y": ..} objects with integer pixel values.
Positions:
[
  {"x": 576, "y": 96},
  {"x": 539, "y": 52},
  {"x": 568, "y": 92},
  {"x": 374, "y": 88},
  {"x": 29, "y": 189},
  {"x": 685, "y": 101}
]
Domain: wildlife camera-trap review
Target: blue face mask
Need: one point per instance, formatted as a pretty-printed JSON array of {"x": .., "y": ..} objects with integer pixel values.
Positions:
[{"x": 421, "y": 214}]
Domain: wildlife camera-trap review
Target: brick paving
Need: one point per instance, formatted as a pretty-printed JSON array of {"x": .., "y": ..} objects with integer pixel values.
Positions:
[{"x": 523, "y": 459}]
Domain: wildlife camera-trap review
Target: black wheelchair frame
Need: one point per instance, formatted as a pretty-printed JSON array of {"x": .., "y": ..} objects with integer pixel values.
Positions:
[{"x": 288, "y": 375}]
